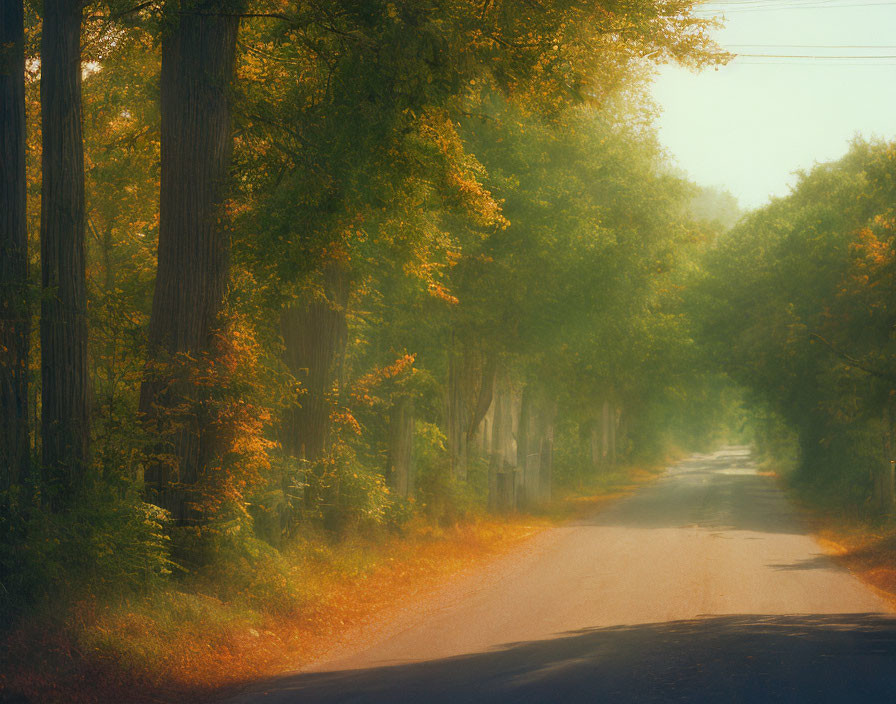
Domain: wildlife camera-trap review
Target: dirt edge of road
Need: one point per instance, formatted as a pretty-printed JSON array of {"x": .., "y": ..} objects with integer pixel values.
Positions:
[
  {"x": 412, "y": 578},
  {"x": 868, "y": 551},
  {"x": 864, "y": 546}
]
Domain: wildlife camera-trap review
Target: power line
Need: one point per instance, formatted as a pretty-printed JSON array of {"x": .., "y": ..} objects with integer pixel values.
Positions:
[
  {"x": 792, "y": 6},
  {"x": 815, "y": 56},
  {"x": 850, "y": 64},
  {"x": 763, "y": 3},
  {"x": 811, "y": 46}
]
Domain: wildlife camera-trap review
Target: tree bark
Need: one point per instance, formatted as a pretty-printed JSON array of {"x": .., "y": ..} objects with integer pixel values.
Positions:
[
  {"x": 315, "y": 333},
  {"x": 470, "y": 389},
  {"x": 502, "y": 464},
  {"x": 884, "y": 479},
  {"x": 496, "y": 461},
  {"x": 65, "y": 428},
  {"x": 546, "y": 462},
  {"x": 198, "y": 53},
  {"x": 401, "y": 447},
  {"x": 594, "y": 442},
  {"x": 484, "y": 397},
  {"x": 458, "y": 417},
  {"x": 606, "y": 434},
  {"x": 530, "y": 436},
  {"x": 14, "y": 313}
]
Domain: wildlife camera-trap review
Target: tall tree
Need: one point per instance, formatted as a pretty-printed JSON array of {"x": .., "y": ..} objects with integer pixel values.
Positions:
[
  {"x": 14, "y": 321},
  {"x": 198, "y": 52},
  {"x": 63, "y": 327},
  {"x": 315, "y": 336}
]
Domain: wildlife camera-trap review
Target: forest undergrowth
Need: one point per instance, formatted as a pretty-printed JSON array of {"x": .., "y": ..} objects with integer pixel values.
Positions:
[{"x": 202, "y": 635}]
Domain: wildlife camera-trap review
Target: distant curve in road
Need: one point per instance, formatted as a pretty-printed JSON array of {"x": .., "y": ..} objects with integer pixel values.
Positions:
[{"x": 701, "y": 587}]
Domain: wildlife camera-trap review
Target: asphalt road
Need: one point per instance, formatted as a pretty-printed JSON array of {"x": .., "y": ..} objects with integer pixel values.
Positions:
[{"x": 701, "y": 587}]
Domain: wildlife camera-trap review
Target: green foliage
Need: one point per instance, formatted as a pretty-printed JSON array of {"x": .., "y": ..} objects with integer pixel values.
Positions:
[
  {"x": 466, "y": 189},
  {"x": 106, "y": 544},
  {"x": 441, "y": 497},
  {"x": 790, "y": 306}
]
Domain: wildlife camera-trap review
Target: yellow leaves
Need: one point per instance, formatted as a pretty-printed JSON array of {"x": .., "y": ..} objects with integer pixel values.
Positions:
[
  {"x": 343, "y": 418},
  {"x": 363, "y": 389}
]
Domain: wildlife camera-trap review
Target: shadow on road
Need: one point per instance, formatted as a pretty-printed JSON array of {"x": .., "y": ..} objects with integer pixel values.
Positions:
[
  {"x": 819, "y": 562},
  {"x": 818, "y": 658}
]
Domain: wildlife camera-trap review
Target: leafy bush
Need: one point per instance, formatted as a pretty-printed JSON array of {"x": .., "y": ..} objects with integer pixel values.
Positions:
[{"x": 105, "y": 543}]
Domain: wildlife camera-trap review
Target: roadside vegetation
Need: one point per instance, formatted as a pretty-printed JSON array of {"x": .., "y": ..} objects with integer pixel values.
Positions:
[
  {"x": 302, "y": 300},
  {"x": 796, "y": 304},
  {"x": 304, "y": 307},
  {"x": 200, "y": 637}
]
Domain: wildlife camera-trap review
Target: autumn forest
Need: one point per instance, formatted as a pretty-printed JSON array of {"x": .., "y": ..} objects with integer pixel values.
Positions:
[{"x": 288, "y": 287}]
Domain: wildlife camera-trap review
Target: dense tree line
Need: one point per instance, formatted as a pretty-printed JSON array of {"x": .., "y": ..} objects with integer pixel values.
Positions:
[
  {"x": 326, "y": 264},
  {"x": 796, "y": 303}
]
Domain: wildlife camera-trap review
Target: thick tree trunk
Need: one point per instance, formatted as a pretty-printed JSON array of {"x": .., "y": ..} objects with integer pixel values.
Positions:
[
  {"x": 531, "y": 438},
  {"x": 483, "y": 397},
  {"x": 469, "y": 392},
  {"x": 605, "y": 435},
  {"x": 546, "y": 461},
  {"x": 884, "y": 486},
  {"x": 535, "y": 446},
  {"x": 594, "y": 444},
  {"x": 602, "y": 437},
  {"x": 884, "y": 479},
  {"x": 502, "y": 464},
  {"x": 198, "y": 53},
  {"x": 314, "y": 336},
  {"x": 526, "y": 437},
  {"x": 401, "y": 447},
  {"x": 458, "y": 417},
  {"x": 497, "y": 461},
  {"x": 622, "y": 434},
  {"x": 14, "y": 318},
  {"x": 65, "y": 428}
]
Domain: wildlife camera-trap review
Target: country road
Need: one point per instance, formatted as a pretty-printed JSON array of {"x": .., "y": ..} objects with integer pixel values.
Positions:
[{"x": 701, "y": 587}]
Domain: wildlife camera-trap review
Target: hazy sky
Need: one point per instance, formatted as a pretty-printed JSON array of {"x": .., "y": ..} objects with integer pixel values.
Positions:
[{"x": 748, "y": 126}]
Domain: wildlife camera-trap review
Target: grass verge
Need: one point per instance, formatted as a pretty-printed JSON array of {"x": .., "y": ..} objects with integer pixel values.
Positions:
[
  {"x": 862, "y": 543},
  {"x": 867, "y": 547}
]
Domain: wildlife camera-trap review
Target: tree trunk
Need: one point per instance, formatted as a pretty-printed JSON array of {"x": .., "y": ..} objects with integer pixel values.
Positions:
[
  {"x": 469, "y": 392},
  {"x": 65, "y": 428},
  {"x": 622, "y": 434},
  {"x": 315, "y": 333},
  {"x": 198, "y": 53},
  {"x": 502, "y": 474},
  {"x": 594, "y": 443},
  {"x": 401, "y": 447},
  {"x": 535, "y": 439},
  {"x": 483, "y": 397},
  {"x": 546, "y": 462},
  {"x": 531, "y": 438},
  {"x": 458, "y": 418},
  {"x": 606, "y": 434},
  {"x": 496, "y": 461},
  {"x": 526, "y": 438},
  {"x": 884, "y": 479},
  {"x": 14, "y": 317}
]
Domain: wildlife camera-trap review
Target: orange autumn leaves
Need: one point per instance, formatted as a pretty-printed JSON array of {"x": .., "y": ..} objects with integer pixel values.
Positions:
[{"x": 871, "y": 277}]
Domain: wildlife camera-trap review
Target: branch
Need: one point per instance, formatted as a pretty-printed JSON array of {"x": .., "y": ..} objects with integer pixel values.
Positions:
[
  {"x": 853, "y": 362},
  {"x": 123, "y": 13}
]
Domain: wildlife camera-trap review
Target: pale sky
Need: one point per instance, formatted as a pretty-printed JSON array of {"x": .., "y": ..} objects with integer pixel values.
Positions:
[{"x": 748, "y": 126}]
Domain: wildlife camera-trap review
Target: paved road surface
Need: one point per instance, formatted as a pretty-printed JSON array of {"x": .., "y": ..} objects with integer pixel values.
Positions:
[{"x": 701, "y": 587}]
